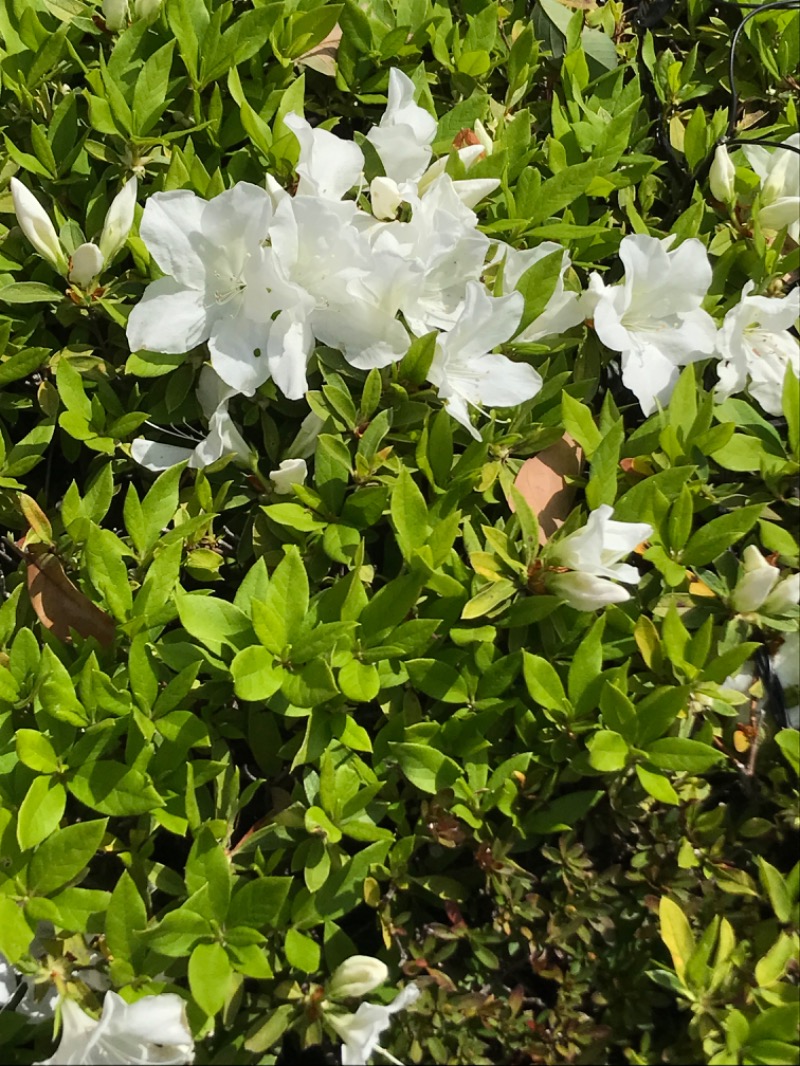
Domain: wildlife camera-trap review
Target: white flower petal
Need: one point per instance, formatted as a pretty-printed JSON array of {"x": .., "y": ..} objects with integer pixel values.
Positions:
[
  {"x": 155, "y": 456},
  {"x": 169, "y": 318}
]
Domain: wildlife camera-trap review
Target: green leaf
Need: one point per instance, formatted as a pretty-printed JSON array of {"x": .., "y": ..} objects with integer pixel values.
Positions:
[
  {"x": 254, "y": 676},
  {"x": 15, "y": 933},
  {"x": 544, "y": 684},
  {"x": 657, "y": 786},
  {"x": 150, "y": 93},
  {"x": 608, "y": 751},
  {"x": 563, "y": 813},
  {"x": 61, "y": 857},
  {"x": 213, "y": 622},
  {"x": 104, "y": 553},
  {"x": 438, "y": 680},
  {"x": 259, "y": 903},
  {"x": 36, "y": 751},
  {"x": 679, "y": 753},
  {"x": 301, "y": 951},
  {"x": 126, "y": 916},
  {"x": 209, "y": 977},
  {"x": 676, "y": 933},
  {"x": 114, "y": 788},
  {"x": 359, "y": 682},
  {"x": 578, "y": 422},
  {"x": 425, "y": 767},
  {"x": 409, "y": 514},
  {"x": 776, "y": 889},
  {"x": 29, "y": 292},
  {"x": 711, "y": 539},
  {"x": 40, "y": 811}
]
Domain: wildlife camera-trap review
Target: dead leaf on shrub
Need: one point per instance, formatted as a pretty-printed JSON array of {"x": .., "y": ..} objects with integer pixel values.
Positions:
[
  {"x": 59, "y": 604},
  {"x": 322, "y": 58},
  {"x": 542, "y": 480}
]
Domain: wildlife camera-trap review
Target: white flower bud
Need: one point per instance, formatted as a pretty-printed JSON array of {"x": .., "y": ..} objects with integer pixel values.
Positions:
[
  {"x": 86, "y": 263},
  {"x": 756, "y": 583},
  {"x": 115, "y": 12},
  {"x": 385, "y": 197},
  {"x": 357, "y": 976},
  {"x": 722, "y": 176},
  {"x": 483, "y": 136},
  {"x": 290, "y": 472},
  {"x": 784, "y": 596},
  {"x": 585, "y": 592},
  {"x": 143, "y": 8},
  {"x": 119, "y": 220},
  {"x": 36, "y": 225}
]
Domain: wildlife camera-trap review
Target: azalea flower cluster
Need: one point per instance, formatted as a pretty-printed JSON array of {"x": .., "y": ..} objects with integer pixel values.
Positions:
[
  {"x": 264, "y": 277},
  {"x": 154, "y": 1030}
]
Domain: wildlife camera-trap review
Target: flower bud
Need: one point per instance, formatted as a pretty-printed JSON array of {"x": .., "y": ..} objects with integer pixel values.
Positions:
[
  {"x": 483, "y": 136},
  {"x": 290, "y": 472},
  {"x": 115, "y": 13},
  {"x": 722, "y": 176},
  {"x": 784, "y": 596},
  {"x": 357, "y": 976},
  {"x": 86, "y": 263},
  {"x": 36, "y": 225},
  {"x": 585, "y": 592},
  {"x": 119, "y": 220},
  {"x": 385, "y": 197},
  {"x": 143, "y": 8},
  {"x": 755, "y": 584}
]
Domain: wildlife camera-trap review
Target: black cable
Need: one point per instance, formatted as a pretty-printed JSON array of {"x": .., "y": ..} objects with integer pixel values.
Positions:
[{"x": 774, "y": 5}]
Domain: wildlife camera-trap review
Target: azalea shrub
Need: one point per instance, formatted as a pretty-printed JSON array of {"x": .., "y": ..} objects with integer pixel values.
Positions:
[{"x": 399, "y": 453}]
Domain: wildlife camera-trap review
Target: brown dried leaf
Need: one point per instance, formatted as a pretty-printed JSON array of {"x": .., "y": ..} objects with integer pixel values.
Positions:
[
  {"x": 323, "y": 57},
  {"x": 60, "y": 605},
  {"x": 542, "y": 480}
]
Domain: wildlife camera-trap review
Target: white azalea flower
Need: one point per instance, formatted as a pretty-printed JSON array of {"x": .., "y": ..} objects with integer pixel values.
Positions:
[
  {"x": 223, "y": 437},
  {"x": 563, "y": 310},
  {"x": 86, "y": 262},
  {"x": 594, "y": 553},
  {"x": 221, "y": 286},
  {"x": 329, "y": 166},
  {"x": 36, "y": 225},
  {"x": 151, "y": 1031},
  {"x": 360, "y": 1032},
  {"x": 349, "y": 302},
  {"x": 722, "y": 176},
  {"x": 405, "y": 133},
  {"x": 290, "y": 472},
  {"x": 438, "y": 252},
  {"x": 463, "y": 368},
  {"x": 654, "y": 318},
  {"x": 357, "y": 976},
  {"x": 119, "y": 219},
  {"x": 779, "y": 171},
  {"x": 755, "y": 347}
]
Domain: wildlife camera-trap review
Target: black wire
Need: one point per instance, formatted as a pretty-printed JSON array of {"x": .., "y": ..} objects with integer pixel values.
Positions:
[{"x": 774, "y": 5}]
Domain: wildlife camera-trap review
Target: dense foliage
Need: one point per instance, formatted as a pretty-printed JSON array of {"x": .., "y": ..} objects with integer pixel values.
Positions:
[{"x": 250, "y": 726}]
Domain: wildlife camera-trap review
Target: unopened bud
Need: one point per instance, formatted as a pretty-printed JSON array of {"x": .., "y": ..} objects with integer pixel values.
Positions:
[
  {"x": 357, "y": 976},
  {"x": 36, "y": 225},
  {"x": 385, "y": 198},
  {"x": 86, "y": 263},
  {"x": 119, "y": 220},
  {"x": 722, "y": 176}
]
